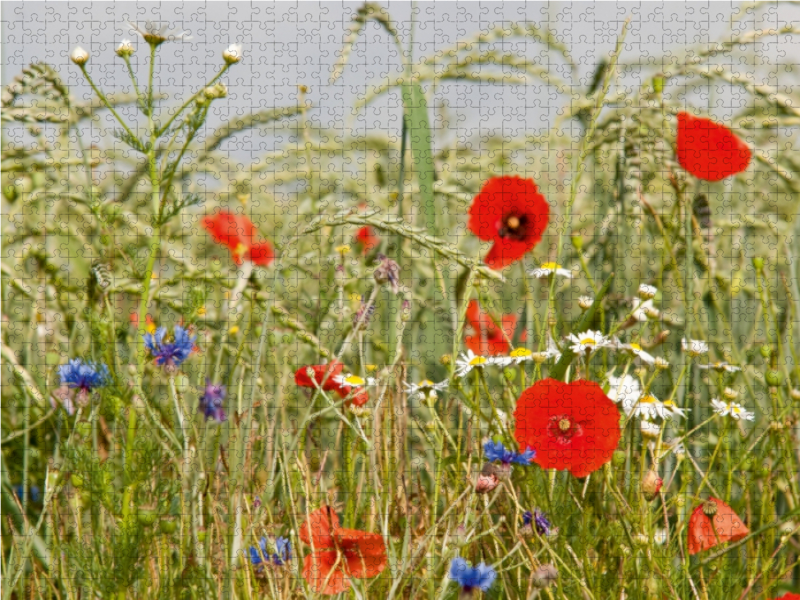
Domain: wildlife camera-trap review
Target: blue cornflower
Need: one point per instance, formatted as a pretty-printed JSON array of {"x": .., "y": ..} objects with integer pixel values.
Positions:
[
  {"x": 211, "y": 402},
  {"x": 539, "y": 519},
  {"x": 496, "y": 451},
  {"x": 83, "y": 376},
  {"x": 282, "y": 555},
  {"x": 471, "y": 578},
  {"x": 170, "y": 354},
  {"x": 34, "y": 493}
]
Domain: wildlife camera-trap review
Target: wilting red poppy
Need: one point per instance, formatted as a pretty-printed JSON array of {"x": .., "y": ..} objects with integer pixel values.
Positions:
[
  {"x": 510, "y": 212},
  {"x": 367, "y": 238},
  {"x": 708, "y": 150},
  {"x": 339, "y": 554},
  {"x": 239, "y": 234},
  {"x": 572, "y": 425},
  {"x": 489, "y": 339},
  {"x": 332, "y": 370},
  {"x": 712, "y": 523}
]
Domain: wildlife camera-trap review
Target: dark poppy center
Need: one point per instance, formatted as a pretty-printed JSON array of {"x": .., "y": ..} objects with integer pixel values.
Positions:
[
  {"x": 514, "y": 226},
  {"x": 563, "y": 429}
]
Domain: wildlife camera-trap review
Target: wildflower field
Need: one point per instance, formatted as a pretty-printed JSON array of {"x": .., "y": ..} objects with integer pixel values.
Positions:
[{"x": 557, "y": 366}]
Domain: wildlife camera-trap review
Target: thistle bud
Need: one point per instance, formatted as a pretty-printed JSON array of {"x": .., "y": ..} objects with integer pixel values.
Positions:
[
  {"x": 388, "y": 271},
  {"x": 544, "y": 576},
  {"x": 79, "y": 56},
  {"x": 232, "y": 54},
  {"x": 125, "y": 49},
  {"x": 651, "y": 485}
]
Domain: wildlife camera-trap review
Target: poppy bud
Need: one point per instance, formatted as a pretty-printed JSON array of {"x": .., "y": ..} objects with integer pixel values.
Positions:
[
  {"x": 544, "y": 576},
  {"x": 773, "y": 378},
  {"x": 618, "y": 458},
  {"x": 765, "y": 351},
  {"x": 168, "y": 527},
  {"x": 651, "y": 484}
]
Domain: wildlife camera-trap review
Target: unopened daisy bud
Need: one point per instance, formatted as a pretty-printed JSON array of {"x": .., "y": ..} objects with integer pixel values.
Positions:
[
  {"x": 585, "y": 302},
  {"x": 79, "y": 56},
  {"x": 216, "y": 91},
  {"x": 795, "y": 394},
  {"x": 125, "y": 49},
  {"x": 540, "y": 357},
  {"x": 730, "y": 394},
  {"x": 577, "y": 242},
  {"x": 651, "y": 312},
  {"x": 552, "y": 320},
  {"x": 661, "y": 363},
  {"x": 758, "y": 263},
  {"x": 232, "y": 54},
  {"x": 544, "y": 576},
  {"x": 646, "y": 292},
  {"x": 651, "y": 484},
  {"x": 640, "y": 539},
  {"x": 445, "y": 359}
]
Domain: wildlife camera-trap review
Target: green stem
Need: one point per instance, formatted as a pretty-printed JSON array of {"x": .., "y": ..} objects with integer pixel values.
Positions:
[{"x": 107, "y": 104}]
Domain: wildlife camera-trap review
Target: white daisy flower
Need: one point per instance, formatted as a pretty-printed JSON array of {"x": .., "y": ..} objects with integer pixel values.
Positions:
[
  {"x": 650, "y": 429},
  {"x": 642, "y": 309},
  {"x": 155, "y": 35},
  {"x": 660, "y": 536},
  {"x": 735, "y": 410},
  {"x": 676, "y": 410},
  {"x": 468, "y": 361},
  {"x": 721, "y": 366},
  {"x": 425, "y": 387},
  {"x": 517, "y": 357},
  {"x": 637, "y": 351},
  {"x": 550, "y": 268},
  {"x": 588, "y": 340},
  {"x": 355, "y": 380},
  {"x": 625, "y": 391},
  {"x": 647, "y": 292},
  {"x": 650, "y": 407},
  {"x": 694, "y": 347}
]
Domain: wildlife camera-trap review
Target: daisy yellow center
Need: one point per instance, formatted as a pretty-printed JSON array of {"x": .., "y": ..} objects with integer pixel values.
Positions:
[
  {"x": 425, "y": 383},
  {"x": 521, "y": 353},
  {"x": 564, "y": 425},
  {"x": 588, "y": 341},
  {"x": 669, "y": 403},
  {"x": 477, "y": 361},
  {"x": 735, "y": 410},
  {"x": 550, "y": 266},
  {"x": 648, "y": 400},
  {"x": 345, "y": 249},
  {"x": 354, "y": 380},
  {"x": 636, "y": 347}
]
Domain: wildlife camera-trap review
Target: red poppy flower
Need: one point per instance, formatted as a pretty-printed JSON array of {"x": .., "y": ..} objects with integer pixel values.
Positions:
[
  {"x": 708, "y": 150},
  {"x": 510, "y": 212},
  {"x": 712, "y": 523},
  {"x": 789, "y": 596},
  {"x": 490, "y": 340},
  {"x": 339, "y": 554},
  {"x": 239, "y": 234},
  {"x": 332, "y": 370},
  {"x": 571, "y": 425},
  {"x": 368, "y": 239}
]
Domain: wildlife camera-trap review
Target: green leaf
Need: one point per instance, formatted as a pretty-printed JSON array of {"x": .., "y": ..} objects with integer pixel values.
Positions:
[{"x": 419, "y": 130}]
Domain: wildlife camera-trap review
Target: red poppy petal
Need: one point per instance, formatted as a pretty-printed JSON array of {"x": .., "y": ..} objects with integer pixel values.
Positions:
[
  {"x": 703, "y": 534},
  {"x": 319, "y": 572},
  {"x": 261, "y": 254},
  {"x": 487, "y": 346},
  {"x": 592, "y": 422},
  {"x": 708, "y": 150},
  {"x": 230, "y": 229},
  {"x": 302, "y": 379},
  {"x": 505, "y": 252},
  {"x": 789, "y": 596},
  {"x": 367, "y": 238},
  {"x": 320, "y": 526},
  {"x": 365, "y": 552}
]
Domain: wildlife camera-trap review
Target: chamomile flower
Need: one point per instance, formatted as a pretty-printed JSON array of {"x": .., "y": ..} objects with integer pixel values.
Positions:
[
  {"x": 642, "y": 309},
  {"x": 425, "y": 388},
  {"x": 694, "y": 348},
  {"x": 735, "y": 410},
  {"x": 650, "y": 407},
  {"x": 517, "y": 357},
  {"x": 550, "y": 268},
  {"x": 721, "y": 366},
  {"x": 637, "y": 351},
  {"x": 468, "y": 361},
  {"x": 625, "y": 391},
  {"x": 587, "y": 341},
  {"x": 647, "y": 292},
  {"x": 155, "y": 35},
  {"x": 650, "y": 429},
  {"x": 355, "y": 380}
]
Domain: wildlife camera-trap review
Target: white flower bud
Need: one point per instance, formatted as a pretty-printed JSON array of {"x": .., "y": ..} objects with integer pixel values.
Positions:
[
  {"x": 647, "y": 292},
  {"x": 79, "y": 56},
  {"x": 585, "y": 302},
  {"x": 125, "y": 49},
  {"x": 233, "y": 54}
]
